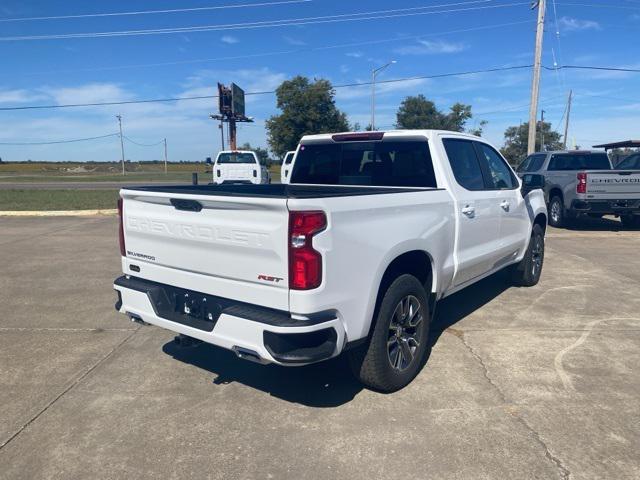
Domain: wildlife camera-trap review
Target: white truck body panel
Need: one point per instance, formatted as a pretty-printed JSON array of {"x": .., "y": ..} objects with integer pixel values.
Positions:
[
  {"x": 236, "y": 246},
  {"x": 220, "y": 250}
]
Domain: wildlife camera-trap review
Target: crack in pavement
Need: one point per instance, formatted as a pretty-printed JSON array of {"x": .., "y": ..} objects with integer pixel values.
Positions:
[
  {"x": 564, "y": 472},
  {"x": 70, "y": 387}
]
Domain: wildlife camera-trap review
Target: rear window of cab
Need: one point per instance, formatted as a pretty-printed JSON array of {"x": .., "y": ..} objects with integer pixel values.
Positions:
[
  {"x": 235, "y": 158},
  {"x": 386, "y": 163}
]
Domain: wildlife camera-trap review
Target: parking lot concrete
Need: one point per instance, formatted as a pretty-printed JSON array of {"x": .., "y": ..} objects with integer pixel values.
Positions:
[{"x": 541, "y": 382}]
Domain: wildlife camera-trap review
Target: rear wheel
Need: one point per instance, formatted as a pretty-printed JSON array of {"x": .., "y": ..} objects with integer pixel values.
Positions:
[
  {"x": 398, "y": 345},
  {"x": 527, "y": 272},
  {"x": 556, "y": 212},
  {"x": 630, "y": 221}
]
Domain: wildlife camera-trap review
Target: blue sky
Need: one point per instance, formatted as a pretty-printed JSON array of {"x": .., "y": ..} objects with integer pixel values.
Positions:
[{"x": 476, "y": 36}]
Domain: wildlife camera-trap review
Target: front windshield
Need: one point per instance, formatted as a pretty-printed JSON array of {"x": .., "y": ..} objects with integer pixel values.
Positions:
[
  {"x": 630, "y": 163},
  {"x": 235, "y": 158}
]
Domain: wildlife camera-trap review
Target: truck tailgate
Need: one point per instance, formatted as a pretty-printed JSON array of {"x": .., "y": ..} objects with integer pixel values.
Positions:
[
  {"x": 233, "y": 247},
  {"x": 613, "y": 184}
]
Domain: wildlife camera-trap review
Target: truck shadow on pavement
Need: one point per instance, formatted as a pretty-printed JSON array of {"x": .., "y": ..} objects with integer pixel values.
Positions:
[
  {"x": 331, "y": 383},
  {"x": 587, "y": 224},
  {"x": 326, "y": 384},
  {"x": 463, "y": 303}
]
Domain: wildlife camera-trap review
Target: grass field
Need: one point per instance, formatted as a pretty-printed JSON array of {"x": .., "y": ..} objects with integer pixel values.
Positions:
[
  {"x": 12, "y": 200},
  {"x": 105, "y": 172}
]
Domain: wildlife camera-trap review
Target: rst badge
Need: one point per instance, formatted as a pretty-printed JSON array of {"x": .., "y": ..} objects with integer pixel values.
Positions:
[{"x": 269, "y": 278}]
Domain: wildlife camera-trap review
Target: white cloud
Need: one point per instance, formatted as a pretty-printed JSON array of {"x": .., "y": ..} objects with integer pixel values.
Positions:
[
  {"x": 90, "y": 93},
  {"x": 18, "y": 96},
  {"x": 428, "y": 47},
  {"x": 229, "y": 39},
  {"x": 354, "y": 54},
  {"x": 293, "y": 41},
  {"x": 569, "y": 24}
]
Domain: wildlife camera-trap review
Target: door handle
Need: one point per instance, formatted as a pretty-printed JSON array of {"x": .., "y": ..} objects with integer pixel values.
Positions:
[
  {"x": 505, "y": 205},
  {"x": 469, "y": 211}
]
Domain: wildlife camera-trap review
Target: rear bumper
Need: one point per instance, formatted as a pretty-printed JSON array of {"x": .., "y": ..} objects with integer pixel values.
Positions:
[
  {"x": 252, "y": 332},
  {"x": 604, "y": 207}
]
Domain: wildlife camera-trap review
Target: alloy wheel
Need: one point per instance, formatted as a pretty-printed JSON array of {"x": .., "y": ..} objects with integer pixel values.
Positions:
[{"x": 404, "y": 333}]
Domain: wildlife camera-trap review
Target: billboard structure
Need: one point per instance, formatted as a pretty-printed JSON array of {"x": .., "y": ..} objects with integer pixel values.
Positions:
[{"x": 231, "y": 108}]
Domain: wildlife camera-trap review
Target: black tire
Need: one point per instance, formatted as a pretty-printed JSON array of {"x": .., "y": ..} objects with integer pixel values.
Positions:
[
  {"x": 630, "y": 221},
  {"x": 556, "y": 212},
  {"x": 526, "y": 273},
  {"x": 390, "y": 340}
]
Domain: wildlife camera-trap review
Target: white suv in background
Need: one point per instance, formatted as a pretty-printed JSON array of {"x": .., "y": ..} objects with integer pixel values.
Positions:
[{"x": 239, "y": 166}]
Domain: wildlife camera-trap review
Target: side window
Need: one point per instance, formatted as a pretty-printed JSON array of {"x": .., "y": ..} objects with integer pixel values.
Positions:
[
  {"x": 501, "y": 177},
  {"x": 559, "y": 162},
  {"x": 464, "y": 163}
]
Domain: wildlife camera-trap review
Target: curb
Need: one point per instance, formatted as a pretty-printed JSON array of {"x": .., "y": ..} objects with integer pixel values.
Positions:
[{"x": 58, "y": 213}]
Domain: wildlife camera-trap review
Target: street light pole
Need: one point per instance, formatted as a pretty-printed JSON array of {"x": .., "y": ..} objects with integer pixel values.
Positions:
[
  {"x": 119, "y": 117},
  {"x": 165, "y": 156},
  {"x": 374, "y": 72}
]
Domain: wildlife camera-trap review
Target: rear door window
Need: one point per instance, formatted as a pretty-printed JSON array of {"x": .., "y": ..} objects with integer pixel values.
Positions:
[
  {"x": 464, "y": 163},
  {"x": 386, "y": 163},
  {"x": 288, "y": 158}
]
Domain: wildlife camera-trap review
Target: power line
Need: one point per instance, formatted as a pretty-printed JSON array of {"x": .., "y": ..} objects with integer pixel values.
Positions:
[
  {"x": 349, "y": 17},
  {"x": 286, "y": 52},
  {"x": 147, "y": 12},
  {"x": 143, "y": 144},
  {"x": 200, "y": 97},
  {"x": 345, "y": 85},
  {"x": 61, "y": 141}
]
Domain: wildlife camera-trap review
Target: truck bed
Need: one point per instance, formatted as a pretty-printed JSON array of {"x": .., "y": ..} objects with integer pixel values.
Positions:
[{"x": 284, "y": 191}]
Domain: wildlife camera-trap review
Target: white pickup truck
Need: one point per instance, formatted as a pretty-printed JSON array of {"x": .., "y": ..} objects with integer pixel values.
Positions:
[
  {"x": 352, "y": 255},
  {"x": 239, "y": 166}
]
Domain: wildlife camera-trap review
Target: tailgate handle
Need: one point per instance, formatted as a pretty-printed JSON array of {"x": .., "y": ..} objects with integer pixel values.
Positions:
[
  {"x": 625, "y": 173},
  {"x": 187, "y": 205}
]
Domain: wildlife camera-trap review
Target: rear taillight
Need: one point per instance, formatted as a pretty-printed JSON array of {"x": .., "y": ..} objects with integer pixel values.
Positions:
[
  {"x": 123, "y": 252},
  {"x": 218, "y": 172},
  {"x": 305, "y": 263},
  {"x": 581, "y": 186},
  {"x": 255, "y": 173}
]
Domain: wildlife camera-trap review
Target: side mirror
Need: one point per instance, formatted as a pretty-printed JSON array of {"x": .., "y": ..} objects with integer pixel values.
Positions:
[{"x": 532, "y": 181}]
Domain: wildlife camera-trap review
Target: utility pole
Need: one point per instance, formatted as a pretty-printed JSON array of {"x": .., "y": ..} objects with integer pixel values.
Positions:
[
  {"x": 542, "y": 149},
  {"x": 535, "y": 84},
  {"x": 165, "y": 156},
  {"x": 222, "y": 133},
  {"x": 119, "y": 117},
  {"x": 374, "y": 72},
  {"x": 566, "y": 122}
]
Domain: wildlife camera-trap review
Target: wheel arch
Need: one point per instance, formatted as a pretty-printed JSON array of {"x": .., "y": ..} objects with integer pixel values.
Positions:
[{"x": 418, "y": 263}]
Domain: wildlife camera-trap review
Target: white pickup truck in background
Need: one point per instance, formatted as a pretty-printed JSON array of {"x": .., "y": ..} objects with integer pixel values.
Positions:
[
  {"x": 373, "y": 229},
  {"x": 239, "y": 166}
]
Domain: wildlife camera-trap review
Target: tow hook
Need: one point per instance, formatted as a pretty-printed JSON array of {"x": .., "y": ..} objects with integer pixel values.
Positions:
[{"x": 184, "y": 341}]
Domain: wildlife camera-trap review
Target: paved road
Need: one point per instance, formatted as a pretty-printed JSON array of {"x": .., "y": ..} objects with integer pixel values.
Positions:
[{"x": 521, "y": 383}]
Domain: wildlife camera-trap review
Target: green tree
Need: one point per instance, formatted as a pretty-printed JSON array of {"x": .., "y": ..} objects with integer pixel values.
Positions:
[
  {"x": 262, "y": 153},
  {"x": 517, "y": 137},
  {"x": 417, "y": 112},
  {"x": 308, "y": 107}
]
